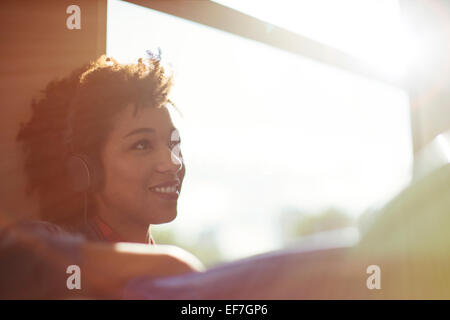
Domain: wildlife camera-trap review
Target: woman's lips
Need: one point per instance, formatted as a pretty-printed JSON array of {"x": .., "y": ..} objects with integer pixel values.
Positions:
[
  {"x": 173, "y": 196},
  {"x": 167, "y": 191}
]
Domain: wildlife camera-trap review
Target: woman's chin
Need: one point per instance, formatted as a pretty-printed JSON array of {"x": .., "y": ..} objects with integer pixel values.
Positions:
[{"x": 168, "y": 217}]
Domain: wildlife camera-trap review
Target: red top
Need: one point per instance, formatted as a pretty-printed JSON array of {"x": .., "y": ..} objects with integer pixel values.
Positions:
[{"x": 105, "y": 232}]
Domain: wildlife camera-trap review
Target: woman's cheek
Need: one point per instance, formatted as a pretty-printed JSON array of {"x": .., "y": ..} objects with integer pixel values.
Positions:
[{"x": 124, "y": 174}]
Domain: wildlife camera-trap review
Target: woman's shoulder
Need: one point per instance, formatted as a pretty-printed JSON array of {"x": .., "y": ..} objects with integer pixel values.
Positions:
[
  {"x": 37, "y": 226},
  {"x": 40, "y": 225},
  {"x": 41, "y": 229}
]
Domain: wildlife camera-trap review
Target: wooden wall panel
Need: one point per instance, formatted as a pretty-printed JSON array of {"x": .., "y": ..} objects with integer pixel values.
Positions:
[{"x": 36, "y": 47}]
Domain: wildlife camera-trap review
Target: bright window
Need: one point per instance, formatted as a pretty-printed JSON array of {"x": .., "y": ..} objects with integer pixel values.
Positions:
[
  {"x": 266, "y": 131},
  {"x": 370, "y": 30}
]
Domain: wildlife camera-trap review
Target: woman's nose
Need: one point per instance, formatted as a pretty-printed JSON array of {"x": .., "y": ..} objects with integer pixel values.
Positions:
[{"x": 171, "y": 161}]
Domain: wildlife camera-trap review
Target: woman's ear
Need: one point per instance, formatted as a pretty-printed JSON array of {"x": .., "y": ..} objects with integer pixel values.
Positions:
[{"x": 79, "y": 173}]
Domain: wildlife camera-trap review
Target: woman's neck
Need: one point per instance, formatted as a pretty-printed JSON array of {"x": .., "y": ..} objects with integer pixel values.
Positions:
[{"x": 126, "y": 229}]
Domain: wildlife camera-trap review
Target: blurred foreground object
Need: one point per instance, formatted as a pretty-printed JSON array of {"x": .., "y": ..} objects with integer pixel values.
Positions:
[{"x": 34, "y": 257}]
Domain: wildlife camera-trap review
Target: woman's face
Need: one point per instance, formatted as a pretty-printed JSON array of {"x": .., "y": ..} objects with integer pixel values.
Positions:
[{"x": 142, "y": 166}]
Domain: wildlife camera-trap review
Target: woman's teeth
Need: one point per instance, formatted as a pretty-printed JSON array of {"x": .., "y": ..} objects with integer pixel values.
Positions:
[
  {"x": 165, "y": 189},
  {"x": 169, "y": 193}
]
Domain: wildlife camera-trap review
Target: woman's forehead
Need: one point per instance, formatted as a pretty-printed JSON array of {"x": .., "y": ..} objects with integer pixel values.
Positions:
[{"x": 132, "y": 118}]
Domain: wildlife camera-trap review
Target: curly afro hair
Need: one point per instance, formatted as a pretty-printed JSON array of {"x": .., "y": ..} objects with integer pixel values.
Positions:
[{"x": 76, "y": 113}]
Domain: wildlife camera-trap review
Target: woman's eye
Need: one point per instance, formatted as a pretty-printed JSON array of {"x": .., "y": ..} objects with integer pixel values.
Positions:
[
  {"x": 173, "y": 144},
  {"x": 142, "y": 145}
]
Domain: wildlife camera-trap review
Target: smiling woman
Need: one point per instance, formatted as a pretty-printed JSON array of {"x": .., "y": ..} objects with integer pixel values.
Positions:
[{"x": 114, "y": 166}]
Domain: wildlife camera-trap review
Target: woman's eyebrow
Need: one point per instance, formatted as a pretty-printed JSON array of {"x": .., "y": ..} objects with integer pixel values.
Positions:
[{"x": 140, "y": 130}]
